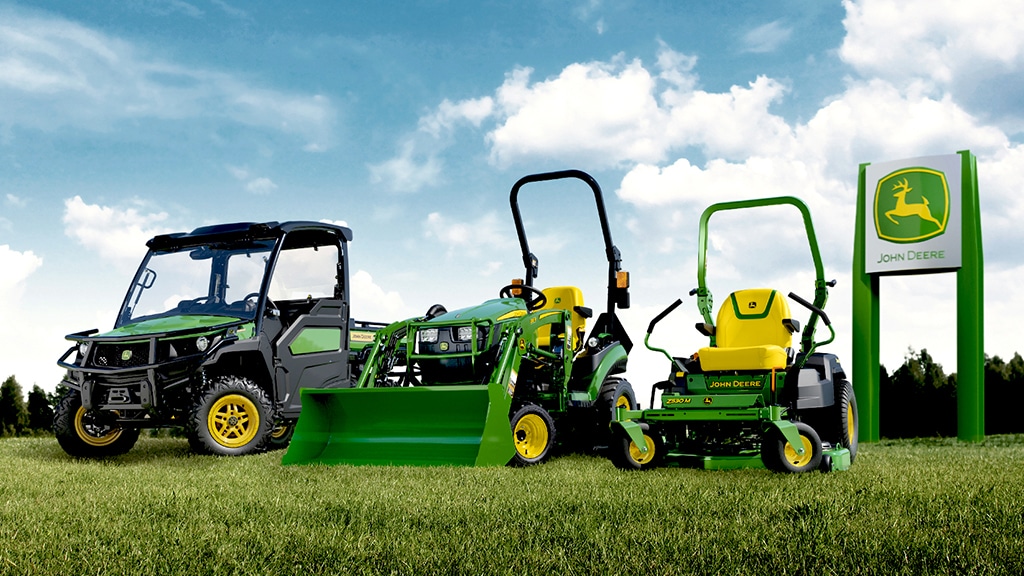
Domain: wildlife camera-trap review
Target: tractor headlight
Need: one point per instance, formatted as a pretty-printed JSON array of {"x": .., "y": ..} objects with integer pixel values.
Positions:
[
  {"x": 202, "y": 343},
  {"x": 464, "y": 333},
  {"x": 593, "y": 342},
  {"x": 428, "y": 336}
]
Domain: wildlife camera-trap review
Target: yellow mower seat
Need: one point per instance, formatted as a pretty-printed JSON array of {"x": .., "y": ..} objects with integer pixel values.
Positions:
[
  {"x": 750, "y": 333},
  {"x": 564, "y": 298}
]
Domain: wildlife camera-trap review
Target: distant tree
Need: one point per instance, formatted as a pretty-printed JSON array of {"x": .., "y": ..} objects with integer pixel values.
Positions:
[
  {"x": 1004, "y": 395},
  {"x": 918, "y": 399},
  {"x": 13, "y": 413},
  {"x": 40, "y": 413}
]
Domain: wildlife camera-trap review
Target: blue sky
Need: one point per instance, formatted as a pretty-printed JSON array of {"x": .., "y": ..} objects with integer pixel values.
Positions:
[{"x": 121, "y": 120}]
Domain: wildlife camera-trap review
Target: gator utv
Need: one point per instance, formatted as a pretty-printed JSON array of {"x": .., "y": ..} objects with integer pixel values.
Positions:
[
  {"x": 491, "y": 384},
  {"x": 748, "y": 399},
  {"x": 219, "y": 329}
]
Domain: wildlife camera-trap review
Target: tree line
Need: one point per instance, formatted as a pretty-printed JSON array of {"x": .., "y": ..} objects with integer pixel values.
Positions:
[{"x": 917, "y": 400}]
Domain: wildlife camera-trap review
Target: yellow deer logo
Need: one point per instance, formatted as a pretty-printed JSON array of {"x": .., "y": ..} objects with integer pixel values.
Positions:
[{"x": 919, "y": 209}]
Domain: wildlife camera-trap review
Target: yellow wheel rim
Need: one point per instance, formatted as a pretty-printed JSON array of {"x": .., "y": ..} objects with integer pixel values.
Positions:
[
  {"x": 89, "y": 436},
  {"x": 638, "y": 456},
  {"x": 850, "y": 428},
  {"x": 233, "y": 421},
  {"x": 531, "y": 436},
  {"x": 622, "y": 402},
  {"x": 797, "y": 460},
  {"x": 279, "y": 431}
]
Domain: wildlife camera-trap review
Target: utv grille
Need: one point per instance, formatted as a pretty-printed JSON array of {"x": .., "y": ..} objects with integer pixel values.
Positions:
[{"x": 128, "y": 355}]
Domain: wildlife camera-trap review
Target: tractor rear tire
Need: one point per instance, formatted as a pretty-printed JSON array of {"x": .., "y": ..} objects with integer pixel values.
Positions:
[
  {"x": 849, "y": 422},
  {"x": 779, "y": 455},
  {"x": 626, "y": 455},
  {"x": 233, "y": 417},
  {"x": 533, "y": 432},
  {"x": 89, "y": 433}
]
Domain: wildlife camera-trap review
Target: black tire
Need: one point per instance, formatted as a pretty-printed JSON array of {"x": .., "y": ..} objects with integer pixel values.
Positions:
[
  {"x": 90, "y": 433},
  {"x": 281, "y": 435},
  {"x": 232, "y": 417},
  {"x": 849, "y": 421},
  {"x": 626, "y": 455},
  {"x": 779, "y": 456},
  {"x": 533, "y": 432},
  {"x": 614, "y": 391}
]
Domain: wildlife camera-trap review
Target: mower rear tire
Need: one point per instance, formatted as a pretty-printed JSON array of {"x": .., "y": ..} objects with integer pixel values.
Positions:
[
  {"x": 90, "y": 433},
  {"x": 849, "y": 423},
  {"x": 626, "y": 455},
  {"x": 233, "y": 417},
  {"x": 779, "y": 455},
  {"x": 533, "y": 432}
]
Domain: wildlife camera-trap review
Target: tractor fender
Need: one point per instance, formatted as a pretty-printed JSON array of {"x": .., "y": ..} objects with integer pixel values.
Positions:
[{"x": 590, "y": 371}]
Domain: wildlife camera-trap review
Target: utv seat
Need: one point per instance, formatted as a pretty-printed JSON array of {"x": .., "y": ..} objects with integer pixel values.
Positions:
[
  {"x": 565, "y": 298},
  {"x": 754, "y": 331}
]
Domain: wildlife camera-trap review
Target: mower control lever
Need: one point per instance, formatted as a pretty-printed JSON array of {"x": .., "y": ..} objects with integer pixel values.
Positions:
[
  {"x": 665, "y": 312},
  {"x": 812, "y": 308}
]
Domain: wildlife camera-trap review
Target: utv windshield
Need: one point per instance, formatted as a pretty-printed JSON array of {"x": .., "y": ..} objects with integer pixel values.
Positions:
[{"x": 211, "y": 280}]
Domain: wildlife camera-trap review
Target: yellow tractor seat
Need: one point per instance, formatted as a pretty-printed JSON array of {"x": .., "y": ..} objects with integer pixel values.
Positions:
[
  {"x": 565, "y": 298},
  {"x": 753, "y": 332}
]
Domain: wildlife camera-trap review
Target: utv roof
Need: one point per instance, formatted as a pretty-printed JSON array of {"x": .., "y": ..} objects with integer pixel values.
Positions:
[{"x": 243, "y": 232}]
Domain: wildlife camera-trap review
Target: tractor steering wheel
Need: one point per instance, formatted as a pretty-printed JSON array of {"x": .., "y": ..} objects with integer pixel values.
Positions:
[{"x": 535, "y": 299}]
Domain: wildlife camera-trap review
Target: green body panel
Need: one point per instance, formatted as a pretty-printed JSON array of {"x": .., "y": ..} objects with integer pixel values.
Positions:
[
  {"x": 312, "y": 340},
  {"x": 171, "y": 324},
  {"x": 614, "y": 358}
]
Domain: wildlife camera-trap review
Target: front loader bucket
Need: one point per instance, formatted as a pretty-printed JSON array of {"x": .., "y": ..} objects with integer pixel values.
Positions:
[{"x": 418, "y": 426}]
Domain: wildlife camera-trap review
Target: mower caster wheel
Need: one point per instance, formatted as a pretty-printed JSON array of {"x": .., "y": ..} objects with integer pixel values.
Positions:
[
  {"x": 780, "y": 456},
  {"x": 626, "y": 455}
]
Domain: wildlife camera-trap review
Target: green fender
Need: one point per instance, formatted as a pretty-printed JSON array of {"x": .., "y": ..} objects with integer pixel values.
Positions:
[{"x": 613, "y": 358}]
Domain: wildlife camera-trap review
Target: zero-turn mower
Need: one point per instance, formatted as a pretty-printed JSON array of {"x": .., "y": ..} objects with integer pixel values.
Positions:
[{"x": 749, "y": 398}]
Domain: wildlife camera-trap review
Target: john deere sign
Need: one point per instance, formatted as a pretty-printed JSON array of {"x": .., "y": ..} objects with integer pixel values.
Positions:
[
  {"x": 920, "y": 216},
  {"x": 912, "y": 206}
]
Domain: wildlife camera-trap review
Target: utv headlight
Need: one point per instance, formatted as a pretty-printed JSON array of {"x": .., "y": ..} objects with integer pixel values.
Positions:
[
  {"x": 464, "y": 333},
  {"x": 202, "y": 343},
  {"x": 428, "y": 336},
  {"x": 83, "y": 349}
]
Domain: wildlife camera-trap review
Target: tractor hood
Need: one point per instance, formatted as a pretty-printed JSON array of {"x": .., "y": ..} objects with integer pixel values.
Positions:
[
  {"x": 497, "y": 310},
  {"x": 168, "y": 324}
]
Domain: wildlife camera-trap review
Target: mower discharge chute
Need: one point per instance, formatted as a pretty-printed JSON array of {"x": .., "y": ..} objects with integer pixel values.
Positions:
[
  {"x": 749, "y": 398},
  {"x": 491, "y": 384}
]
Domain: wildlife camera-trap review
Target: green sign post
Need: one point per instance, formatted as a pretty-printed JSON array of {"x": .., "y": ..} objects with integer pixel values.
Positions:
[{"x": 920, "y": 216}]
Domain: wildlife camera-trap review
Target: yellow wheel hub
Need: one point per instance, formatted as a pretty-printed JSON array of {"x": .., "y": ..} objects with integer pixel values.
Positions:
[
  {"x": 531, "y": 436},
  {"x": 279, "y": 431},
  {"x": 638, "y": 456},
  {"x": 622, "y": 402},
  {"x": 233, "y": 421},
  {"x": 92, "y": 434},
  {"x": 796, "y": 459}
]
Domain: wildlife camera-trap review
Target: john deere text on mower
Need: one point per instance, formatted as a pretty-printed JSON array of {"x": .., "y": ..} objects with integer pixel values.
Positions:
[
  {"x": 748, "y": 398},
  {"x": 219, "y": 329},
  {"x": 483, "y": 385}
]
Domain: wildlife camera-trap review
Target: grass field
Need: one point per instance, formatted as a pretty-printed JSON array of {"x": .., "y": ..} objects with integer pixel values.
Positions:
[{"x": 907, "y": 507}]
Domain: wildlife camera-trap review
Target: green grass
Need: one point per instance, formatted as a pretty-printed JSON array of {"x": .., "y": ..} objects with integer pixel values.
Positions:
[{"x": 908, "y": 507}]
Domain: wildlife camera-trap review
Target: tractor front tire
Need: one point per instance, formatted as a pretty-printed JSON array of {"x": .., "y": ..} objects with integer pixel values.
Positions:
[
  {"x": 779, "y": 455},
  {"x": 89, "y": 433},
  {"x": 233, "y": 417},
  {"x": 533, "y": 432},
  {"x": 626, "y": 455}
]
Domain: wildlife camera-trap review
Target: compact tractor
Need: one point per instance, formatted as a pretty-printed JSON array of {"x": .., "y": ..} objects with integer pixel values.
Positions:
[
  {"x": 505, "y": 381},
  {"x": 749, "y": 398},
  {"x": 219, "y": 329}
]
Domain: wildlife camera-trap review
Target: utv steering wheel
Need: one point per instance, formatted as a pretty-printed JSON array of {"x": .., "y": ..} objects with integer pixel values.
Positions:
[
  {"x": 255, "y": 296},
  {"x": 535, "y": 299}
]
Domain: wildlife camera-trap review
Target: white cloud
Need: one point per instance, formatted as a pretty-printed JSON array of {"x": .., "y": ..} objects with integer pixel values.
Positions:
[
  {"x": 17, "y": 267},
  {"x": 465, "y": 238},
  {"x": 449, "y": 114},
  {"x": 117, "y": 235},
  {"x": 766, "y": 38},
  {"x": 55, "y": 73},
  {"x": 373, "y": 303},
  {"x": 261, "y": 186},
  {"x": 416, "y": 167},
  {"x": 15, "y": 201}
]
